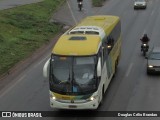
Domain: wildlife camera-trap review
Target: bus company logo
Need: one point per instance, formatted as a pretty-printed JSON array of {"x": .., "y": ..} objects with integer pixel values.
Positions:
[
  {"x": 6, "y": 114},
  {"x": 72, "y": 101}
]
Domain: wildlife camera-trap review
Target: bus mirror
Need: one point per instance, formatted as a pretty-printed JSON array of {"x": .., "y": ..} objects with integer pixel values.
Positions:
[
  {"x": 45, "y": 68},
  {"x": 99, "y": 68}
]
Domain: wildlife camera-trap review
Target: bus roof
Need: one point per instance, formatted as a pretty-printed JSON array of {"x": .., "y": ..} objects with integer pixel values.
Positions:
[
  {"x": 77, "y": 45},
  {"x": 107, "y": 23},
  {"x": 85, "y": 38}
]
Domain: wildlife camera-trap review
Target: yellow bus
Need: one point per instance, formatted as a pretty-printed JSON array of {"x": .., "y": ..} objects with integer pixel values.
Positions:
[{"x": 83, "y": 62}]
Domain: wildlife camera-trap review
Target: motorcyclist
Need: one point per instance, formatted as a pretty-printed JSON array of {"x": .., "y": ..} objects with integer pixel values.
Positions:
[
  {"x": 80, "y": 4},
  {"x": 145, "y": 39}
]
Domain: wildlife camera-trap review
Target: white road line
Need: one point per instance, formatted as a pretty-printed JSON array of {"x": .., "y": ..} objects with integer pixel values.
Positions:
[
  {"x": 47, "y": 57},
  {"x": 129, "y": 70},
  {"x": 11, "y": 86},
  {"x": 152, "y": 13},
  {"x": 71, "y": 12},
  {"x": 44, "y": 59},
  {"x": 144, "y": 32},
  {"x": 84, "y": 10}
]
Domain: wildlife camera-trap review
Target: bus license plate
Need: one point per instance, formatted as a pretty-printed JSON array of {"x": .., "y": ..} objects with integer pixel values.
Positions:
[{"x": 72, "y": 106}]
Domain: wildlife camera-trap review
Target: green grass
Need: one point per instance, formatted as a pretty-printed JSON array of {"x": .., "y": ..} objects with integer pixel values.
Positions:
[
  {"x": 97, "y": 3},
  {"x": 24, "y": 29}
]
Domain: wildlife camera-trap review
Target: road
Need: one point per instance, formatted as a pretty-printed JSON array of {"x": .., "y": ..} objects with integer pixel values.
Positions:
[{"x": 130, "y": 90}]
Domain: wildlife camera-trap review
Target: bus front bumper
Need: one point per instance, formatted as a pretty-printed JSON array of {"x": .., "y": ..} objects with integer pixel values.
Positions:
[{"x": 79, "y": 106}]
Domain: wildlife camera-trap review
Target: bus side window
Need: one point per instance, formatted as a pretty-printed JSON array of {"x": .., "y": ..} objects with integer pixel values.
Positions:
[
  {"x": 101, "y": 55},
  {"x": 104, "y": 51}
]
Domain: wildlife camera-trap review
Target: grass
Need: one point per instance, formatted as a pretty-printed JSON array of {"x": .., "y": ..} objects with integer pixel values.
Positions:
[
  {"x": 97, "y": 3},
  {"x": 24, "y": 29}
]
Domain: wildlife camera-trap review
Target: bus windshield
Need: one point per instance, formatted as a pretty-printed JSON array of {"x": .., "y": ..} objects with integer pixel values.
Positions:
[{"x": 73, "y": 75}]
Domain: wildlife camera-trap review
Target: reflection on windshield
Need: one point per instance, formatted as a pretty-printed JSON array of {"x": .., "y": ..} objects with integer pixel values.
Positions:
[
  {"x": 73, "y": 75},
  {"x": 61, "y": 65},
  {"x": 155, "y": 56},
  {"x": 84, "y": 68},
  {"x": 60, "y": 73}
]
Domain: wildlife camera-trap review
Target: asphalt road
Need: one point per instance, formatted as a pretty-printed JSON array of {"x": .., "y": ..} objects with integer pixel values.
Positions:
[{"x": 130, "y": 90}]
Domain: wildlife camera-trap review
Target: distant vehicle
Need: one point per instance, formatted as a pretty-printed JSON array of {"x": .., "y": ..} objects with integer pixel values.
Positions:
[
  {"x": 138, "y": 4},
  {"x": 153, "y": 61}
]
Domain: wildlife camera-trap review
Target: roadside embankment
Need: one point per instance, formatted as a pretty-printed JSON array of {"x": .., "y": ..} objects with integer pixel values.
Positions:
[{"x": 25, "y": 29}]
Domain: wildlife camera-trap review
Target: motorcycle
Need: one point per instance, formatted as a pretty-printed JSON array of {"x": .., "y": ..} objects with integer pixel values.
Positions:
[
  {"x": 144, "y": 48},
  {"x": 80, "y": 5}
]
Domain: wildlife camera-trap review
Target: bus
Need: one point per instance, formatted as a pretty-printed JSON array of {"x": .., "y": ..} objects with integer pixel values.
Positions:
[{"x": 83, "y": 62}]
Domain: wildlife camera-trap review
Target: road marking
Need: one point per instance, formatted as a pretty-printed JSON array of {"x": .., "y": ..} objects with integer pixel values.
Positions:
[
  {"x": 84, "y": 11},
  {"x": 152, "y": 13},
  {"x": 11, "y": 86},
  {"x": 72, "y": 13},
  {"x": 44, "y": 59},
  {"x": 144, "y": 32},
  {"x": 129, "y": 70}
]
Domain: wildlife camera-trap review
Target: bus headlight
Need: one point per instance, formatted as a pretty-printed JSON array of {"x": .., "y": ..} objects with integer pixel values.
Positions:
[
  {"x": 52, "y": 96},
  {"x": 150, "y": 66},
  {"x": 93, "y": 97}
]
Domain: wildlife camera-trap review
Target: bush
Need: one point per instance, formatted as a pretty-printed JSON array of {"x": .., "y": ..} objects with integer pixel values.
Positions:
[{"x": 1, "y": 38}]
